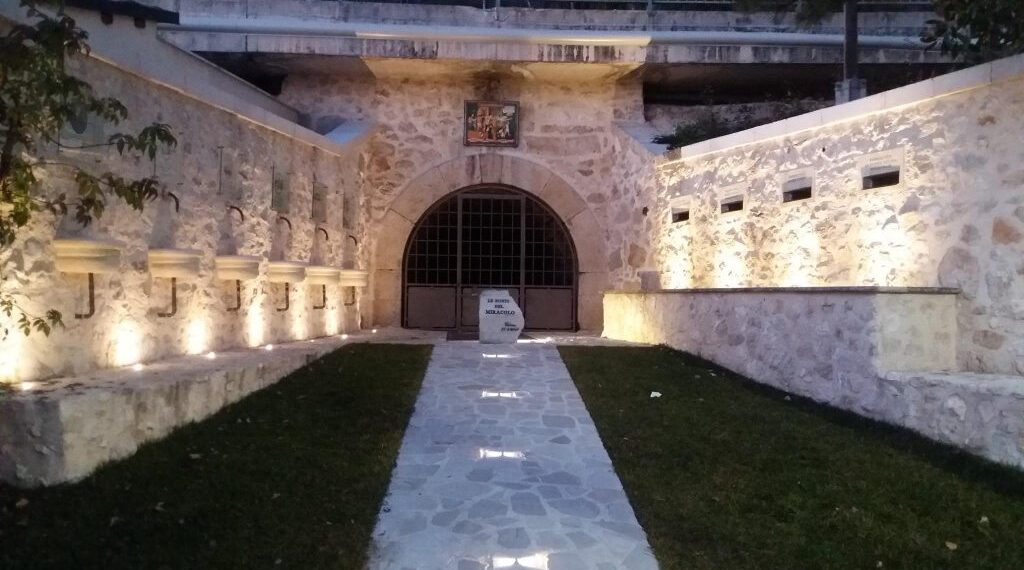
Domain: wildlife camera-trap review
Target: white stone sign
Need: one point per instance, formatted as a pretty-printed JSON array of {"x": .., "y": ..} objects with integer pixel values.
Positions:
[{"x": 501, "y": 320}]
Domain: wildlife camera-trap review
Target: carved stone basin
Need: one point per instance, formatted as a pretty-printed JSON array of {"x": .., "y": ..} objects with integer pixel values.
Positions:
[
  {"x": 286, "y": 271},
  {"x": 353, "y": 278},
  {"x": 237, "y": 267},
  {"x": 322, "y": 275},
  {"x": 87, "y": 255},
  {"x": 176, "y": 263}
]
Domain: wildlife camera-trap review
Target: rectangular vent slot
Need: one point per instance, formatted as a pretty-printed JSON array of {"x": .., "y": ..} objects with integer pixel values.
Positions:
[
  {"x": 797, "y": 189},
  {"x": 796, "y": 194},
  {"x": 881, "y": 177},
  {"x": 732, "y": 205},
  {"x": 679, "y": 216}
]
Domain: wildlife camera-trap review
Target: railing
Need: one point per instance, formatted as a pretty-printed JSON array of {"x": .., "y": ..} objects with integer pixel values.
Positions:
[{"x": 648, "y": 5}]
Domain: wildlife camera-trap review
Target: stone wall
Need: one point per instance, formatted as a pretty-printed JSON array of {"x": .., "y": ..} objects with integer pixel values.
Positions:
[
  {"x": 221, "y": 159},
  {"x": 856, "y": 349},
  {"x": 64, "y": 429},
  {"x": 955, "y": 219},
  {"x": 416, "y": 155}
]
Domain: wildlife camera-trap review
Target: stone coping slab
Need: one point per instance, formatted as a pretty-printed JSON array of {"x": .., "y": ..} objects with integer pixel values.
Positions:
[
  {"x": 864, "y": 290},
  {"x": 1005, "y": 69},
  {"x": 986, "y": 384},
  {"x": 61, "y": 430}
]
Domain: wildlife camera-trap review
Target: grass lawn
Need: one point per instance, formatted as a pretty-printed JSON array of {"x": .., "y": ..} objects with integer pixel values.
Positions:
[
  {"x": 729, "y": 475},
  {"x": 289, "y": 477}
]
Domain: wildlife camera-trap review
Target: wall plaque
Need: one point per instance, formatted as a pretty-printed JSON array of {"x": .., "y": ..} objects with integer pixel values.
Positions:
[
  {"x": 319, "y": 213},
  {"x": 279, "y": 196},
  {"x": 491, "y": 123}
]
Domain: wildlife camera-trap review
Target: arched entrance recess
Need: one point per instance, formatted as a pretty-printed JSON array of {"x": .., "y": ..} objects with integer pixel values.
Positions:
[
  {"x": 489, "y": 236},
  {"x": 389, "y": 233}
]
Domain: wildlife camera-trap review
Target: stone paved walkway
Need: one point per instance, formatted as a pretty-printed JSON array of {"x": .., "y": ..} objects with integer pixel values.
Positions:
[{"x": 501, "y": 467}]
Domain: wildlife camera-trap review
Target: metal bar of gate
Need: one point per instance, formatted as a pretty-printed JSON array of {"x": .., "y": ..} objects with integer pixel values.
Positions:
[
  {"x": 522, "y": 257},
  {"x": 458, "y": 263}
]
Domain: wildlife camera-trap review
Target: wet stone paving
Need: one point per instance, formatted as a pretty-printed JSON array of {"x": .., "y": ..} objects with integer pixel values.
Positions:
[{"x": 501, "y": 467}]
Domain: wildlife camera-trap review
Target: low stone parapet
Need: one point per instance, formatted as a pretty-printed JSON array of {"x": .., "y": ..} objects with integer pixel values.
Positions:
[
  {"x": 61, "y": 430},
  {"x": 885, "y": 353},
  {"x": 982, "y": 413}
]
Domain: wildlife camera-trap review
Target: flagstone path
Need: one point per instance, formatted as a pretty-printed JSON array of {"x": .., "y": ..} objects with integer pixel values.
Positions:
[{"x": 501, "y": 467}]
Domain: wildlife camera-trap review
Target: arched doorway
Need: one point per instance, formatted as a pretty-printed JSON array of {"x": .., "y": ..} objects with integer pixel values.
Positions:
[{"x": 488, "y": 237}]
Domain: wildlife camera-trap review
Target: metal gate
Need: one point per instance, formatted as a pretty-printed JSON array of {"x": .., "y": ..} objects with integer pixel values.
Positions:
[{"x": 489, "y": 238}]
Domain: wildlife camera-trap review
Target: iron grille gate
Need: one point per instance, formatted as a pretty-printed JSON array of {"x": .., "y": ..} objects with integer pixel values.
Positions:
[{"x": 491, "y": 238}]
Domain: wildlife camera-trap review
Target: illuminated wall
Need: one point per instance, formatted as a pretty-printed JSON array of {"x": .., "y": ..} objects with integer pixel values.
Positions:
[
  {"x": 221, "y": 159},
  {"x": 954, "y": 217}
]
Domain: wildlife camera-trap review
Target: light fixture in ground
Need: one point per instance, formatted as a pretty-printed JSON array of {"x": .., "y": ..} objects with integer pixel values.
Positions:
[
  {"x": 509, "y": 395},
  {"x": 545, "y": 340},
  {"x": 500, "y": 454},
  {"x": 536, "y": 561}
]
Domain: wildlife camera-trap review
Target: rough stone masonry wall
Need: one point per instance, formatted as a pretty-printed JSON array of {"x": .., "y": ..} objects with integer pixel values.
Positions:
[
  {"x": 567, "y": 140},
  {"x": 125, "y": 328},
  {"x": 854, "y": 349},
  {"x": 955, "y": 220}
]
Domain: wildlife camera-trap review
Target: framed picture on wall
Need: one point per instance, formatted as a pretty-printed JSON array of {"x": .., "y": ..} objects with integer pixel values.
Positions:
[{"x": 491, "y": 123}]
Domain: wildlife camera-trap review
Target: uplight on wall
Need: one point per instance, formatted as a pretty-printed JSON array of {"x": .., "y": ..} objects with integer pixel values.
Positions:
[
  {"x": 730, "y": 266},
  {"x": 332, "y": 322},
  {"x": 254, "y": 323},
  {"x": 197, "y": 336},
  {"x": 801, "y": 256},
  {"x": 127, "y": 347},
  {"x": 10, "y": 353}
]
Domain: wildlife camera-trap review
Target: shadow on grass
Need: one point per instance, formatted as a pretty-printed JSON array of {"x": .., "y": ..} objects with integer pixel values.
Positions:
[
  {"x": 999, "y": 478},
  {"x": 289, "y": 477},
  {"x": 725, "y": 473}
]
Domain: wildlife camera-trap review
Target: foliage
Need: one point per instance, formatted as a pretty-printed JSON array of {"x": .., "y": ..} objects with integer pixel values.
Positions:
[
  {"x": 38, "y": 96},
  {"x": 970, "y": 31},
  {"x": 724, "y": 473},
  {"x": 808, "y": 12},
  {"x": 974, "y": 31},
  {"x": 292, "y": 476},
  {"x": 710, "y": 122}
]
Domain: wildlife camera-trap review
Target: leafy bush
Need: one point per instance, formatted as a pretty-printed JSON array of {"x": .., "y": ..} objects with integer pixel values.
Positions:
[
  {"x": 710, "y": 122},
  {"x": 37, "y": 98}
]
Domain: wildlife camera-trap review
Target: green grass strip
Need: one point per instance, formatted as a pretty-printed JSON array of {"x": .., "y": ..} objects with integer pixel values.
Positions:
[
  {"x": 725, "y": 474},
  {"x": 289, "y": 477}
]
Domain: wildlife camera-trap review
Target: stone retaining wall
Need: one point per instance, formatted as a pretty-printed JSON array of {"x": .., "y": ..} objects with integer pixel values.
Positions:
[
  {"x": 62, "y": 430},
  {"x": 954, "y": 219},
  {"x": 222, "y": 159},
  {"x": 857, "y": 349}
]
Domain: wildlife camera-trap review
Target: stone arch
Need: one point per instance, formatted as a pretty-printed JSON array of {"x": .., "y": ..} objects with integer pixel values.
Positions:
[{"x": 392, "y": 231}]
